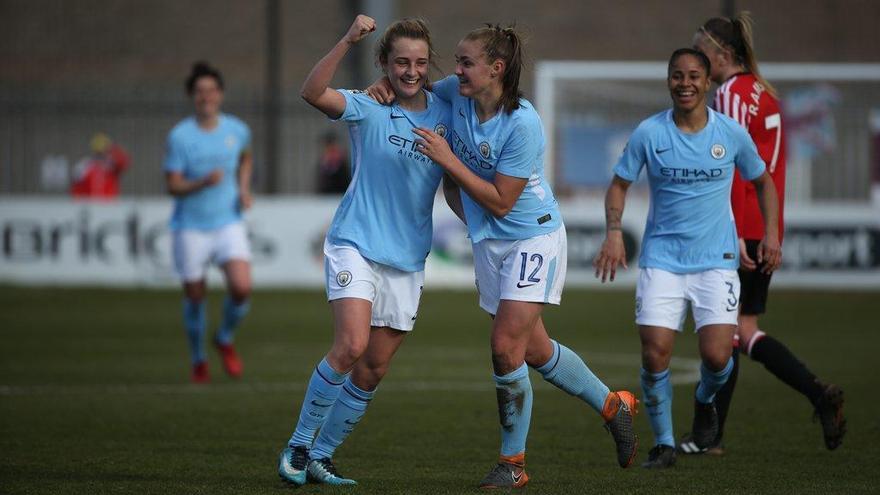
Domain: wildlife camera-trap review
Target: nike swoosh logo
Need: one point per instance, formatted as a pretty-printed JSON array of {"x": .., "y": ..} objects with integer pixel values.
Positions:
[
  {"x": 318, "y": 404},
  {"x": 398, "y": 117},
  {"x": 663, "y": 150},
  {"x": 461, "y": 112},
  {"x": 516, "y": 477},
  {"x": 348, "y": 422},
  {"x": 521, "y": 286}
]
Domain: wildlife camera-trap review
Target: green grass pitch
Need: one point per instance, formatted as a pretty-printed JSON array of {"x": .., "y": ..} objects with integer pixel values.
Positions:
[{"x": 94, "y": 398}]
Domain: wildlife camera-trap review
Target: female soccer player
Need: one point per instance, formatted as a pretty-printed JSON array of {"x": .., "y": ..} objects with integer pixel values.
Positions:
[
  {"x": 377, "y": 244},
  {"x": 689, "y": 249},
  {"x": 518, "y": 240},
  {"x": 747, "y": 98},
  {"x": 208, "y": 171}
]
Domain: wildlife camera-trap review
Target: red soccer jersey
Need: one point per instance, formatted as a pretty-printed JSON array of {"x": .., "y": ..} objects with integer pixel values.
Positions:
[{"x": 746, "y": 101}]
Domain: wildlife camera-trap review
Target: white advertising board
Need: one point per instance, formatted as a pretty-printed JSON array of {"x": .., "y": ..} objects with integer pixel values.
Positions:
[{"x": 127, "y": 243}]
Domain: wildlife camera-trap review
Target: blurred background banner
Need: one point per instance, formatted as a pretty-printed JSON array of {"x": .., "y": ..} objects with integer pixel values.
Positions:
[{"x": 127, "y": 244}]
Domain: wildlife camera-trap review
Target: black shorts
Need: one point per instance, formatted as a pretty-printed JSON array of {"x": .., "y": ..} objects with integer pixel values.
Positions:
[{"x": 754, "y": 285}]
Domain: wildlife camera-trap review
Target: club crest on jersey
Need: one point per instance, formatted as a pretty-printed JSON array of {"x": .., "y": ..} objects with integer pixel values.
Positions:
[
  {"x": 440, "y": 129},
  {"x": 638, "y": 305},
  {"x": 343, "y": 278},
  {"x": 485, "y": 150},
  {"x": 230, "y": 141},
  {"x": 718, "y": 151}
]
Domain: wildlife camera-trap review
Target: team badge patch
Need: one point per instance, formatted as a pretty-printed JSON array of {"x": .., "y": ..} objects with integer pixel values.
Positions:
[
  {"x": 343, "y": 278},
  {"x": 230, "y": 141},
  {"x": 485, "y": 151},
  {"x": 718, "y": 151},
  {"x": 638, "y": 305},
  {"x": 440, "y": 129}
]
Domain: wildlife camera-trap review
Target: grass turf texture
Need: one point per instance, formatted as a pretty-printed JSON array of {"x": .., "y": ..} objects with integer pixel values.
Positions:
[{"x": 94, "y": 398}]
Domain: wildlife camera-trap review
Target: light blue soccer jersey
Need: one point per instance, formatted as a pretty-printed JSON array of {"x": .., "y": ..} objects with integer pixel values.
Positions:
[
  {"x": 690, "y": 226},
  {"x": 510, "y": 144},
  {"x": 195, "y": 152},
  {"x": 386, "y": 211}
]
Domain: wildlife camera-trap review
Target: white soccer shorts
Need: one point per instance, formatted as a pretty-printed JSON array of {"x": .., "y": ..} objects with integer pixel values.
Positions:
[
  {"x": 662, "y": 298},
  {"x": 195, "y": 249},
  {"x": 531, "y": 270},
  {"x": 395, "y": 294}
]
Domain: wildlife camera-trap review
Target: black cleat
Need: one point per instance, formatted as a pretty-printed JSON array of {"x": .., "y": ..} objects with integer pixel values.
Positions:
[
  {"x": 660, "y": 457},
  {"x": 829, "y": 411},
  {"x": 705, "y": 427},
  {"x": 687, "y": 446}
]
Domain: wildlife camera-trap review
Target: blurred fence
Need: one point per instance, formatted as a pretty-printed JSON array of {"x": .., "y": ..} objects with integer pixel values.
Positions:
[{"x": 42, "y": 138}]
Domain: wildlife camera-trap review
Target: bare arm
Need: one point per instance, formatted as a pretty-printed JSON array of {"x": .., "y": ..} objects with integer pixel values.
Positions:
[
  {"x": 613, "y": 251},
  {"x": 315, "y": 89},
  {"x": 769, "y": 251},
  {"x": 245, "y": 170},
  {"x": 496, "y": 197},
  {"x": 453, "y": 197},
  {"x": 178, "y": 185}
]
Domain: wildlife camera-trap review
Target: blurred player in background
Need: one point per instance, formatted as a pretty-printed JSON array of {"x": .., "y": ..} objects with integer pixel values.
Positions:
[
  {"x": 747, "y": 98},
  {"x": 97, "y": 176},
  {"x": 208, "y": 172},
  {"x": 689, "y": 249},
  {"x": 333, "y": 172},
  {"x": 375, "y": 250},
  {"x": 518, "y": 240}
]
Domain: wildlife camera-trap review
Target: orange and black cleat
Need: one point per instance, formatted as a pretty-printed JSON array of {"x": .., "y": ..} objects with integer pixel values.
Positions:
[
  {"x": 510, "y": 472},
  {"x": 619, "y": 411}
]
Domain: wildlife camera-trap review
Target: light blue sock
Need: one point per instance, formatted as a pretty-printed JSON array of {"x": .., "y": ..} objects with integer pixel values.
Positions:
[
  {"x": 567, "y": 370},
  {"x": 232, "y": 314},
  {"x": 514, "y": 409},
  {"x": 195, "y": 322},
  {"x": 322, "y": 393},
  {"x": 658, "y": 400},
  {"x": 348, "y": 411},
  {"x": 712, "y": 381}
]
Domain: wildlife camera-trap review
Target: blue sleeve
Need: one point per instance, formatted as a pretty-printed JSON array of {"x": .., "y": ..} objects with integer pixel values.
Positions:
[
  {"x": 357, "y": 105},
  {"x": 747, "y": 160},
  {"x": 174, "y": 157},
  {"x": 519, "y": 154},
  {"x": 631, "y": 161},
  {"x": 446, "y": 88}
]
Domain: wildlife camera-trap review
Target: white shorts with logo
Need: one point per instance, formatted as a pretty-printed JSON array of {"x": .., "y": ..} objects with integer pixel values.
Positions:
[
  {"x": 195, "y": 249},
  {"x": 662, "y": 298},
  {"x": 531, "y": 270},
  {"x": 394, "y": 293}
]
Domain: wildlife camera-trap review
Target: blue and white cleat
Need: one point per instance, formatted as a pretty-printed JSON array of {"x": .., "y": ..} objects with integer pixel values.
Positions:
[
  {"x": 292, "y": 465},
  {"x": 323, "y": 471}
]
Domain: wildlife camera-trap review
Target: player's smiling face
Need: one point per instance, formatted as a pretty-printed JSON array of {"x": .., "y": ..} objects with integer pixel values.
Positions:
[
  {"x": 688, "y": 83},
  {"x": 407, "y": 67},
  {"x": 474, "y": 72},
  {"x": 207, "y": 97}
]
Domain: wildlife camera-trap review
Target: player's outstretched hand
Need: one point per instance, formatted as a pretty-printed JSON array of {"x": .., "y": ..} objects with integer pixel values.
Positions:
[
  {"x": 433, "y": 146},
  {"x": 360, "y": 28},
  {"x": 770, "y": 254},
  {"x": 745, "y": 261},
  {"x": 612, "y": 255},
  {"x": 381, "y": 91}
]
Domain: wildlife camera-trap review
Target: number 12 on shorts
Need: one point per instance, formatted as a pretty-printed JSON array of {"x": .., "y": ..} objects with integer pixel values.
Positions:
[{"x": 539, "y": 262}]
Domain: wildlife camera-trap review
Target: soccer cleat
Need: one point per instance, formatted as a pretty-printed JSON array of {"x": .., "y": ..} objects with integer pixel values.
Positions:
[
  {"x": 323, "y": 471},
  {"x": 687, "y": 446},
  {"x": 231, "y": 361},
  {"x": 705, "y": 426},
  {"x": 508, "y": 473},
  {"x": 660, "y": 457},
  {"x": 619, "y": 410},
  {"x": 829, "y": 412},
  {"x": 292, "y": 465},
  {"x": 200, "y": 373}
]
